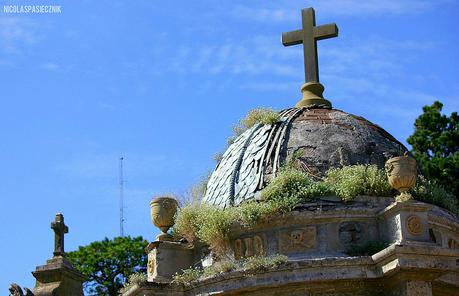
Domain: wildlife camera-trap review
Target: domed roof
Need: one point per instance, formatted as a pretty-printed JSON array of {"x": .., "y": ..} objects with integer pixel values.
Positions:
[{"x": 327, "y": 138}]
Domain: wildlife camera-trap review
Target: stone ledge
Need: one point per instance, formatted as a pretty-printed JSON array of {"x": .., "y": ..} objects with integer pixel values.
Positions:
[
  {"x": 425, "y": 261},
  {"x": 411, "y": 206}
]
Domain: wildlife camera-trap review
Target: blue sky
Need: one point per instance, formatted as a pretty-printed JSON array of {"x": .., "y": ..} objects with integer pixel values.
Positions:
[{"x": 162, "y": 82}]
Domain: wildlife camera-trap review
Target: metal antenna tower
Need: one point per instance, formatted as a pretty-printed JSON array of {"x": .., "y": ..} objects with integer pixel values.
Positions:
[{"x": 121, "y": 198}]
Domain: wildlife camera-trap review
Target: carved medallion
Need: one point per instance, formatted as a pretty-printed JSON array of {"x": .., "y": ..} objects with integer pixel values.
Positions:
[
  {"x": 414, "y": 225},
  {"x": 297, "y": 240}
]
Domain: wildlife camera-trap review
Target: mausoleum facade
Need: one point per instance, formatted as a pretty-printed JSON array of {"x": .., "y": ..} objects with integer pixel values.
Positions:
[{"x": 324, "y": 241}]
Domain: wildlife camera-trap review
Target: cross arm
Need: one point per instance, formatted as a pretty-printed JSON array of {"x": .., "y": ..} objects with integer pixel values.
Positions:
[
  {"x": 292, "y": 38},
  {"x": 325, "y": 31}
]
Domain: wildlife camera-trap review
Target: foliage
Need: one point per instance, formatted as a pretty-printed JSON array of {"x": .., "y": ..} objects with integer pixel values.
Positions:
[
  {"x": 198, "y": 190},
  {"x": 133, "y": 279},
  {"x": 108, "y": 263},
  {"x": 204, "y": 223},
  {"x": 349, "y": 181},
  {"x": 294, "y": 184},
  {"x": 435, "y": 144},
  {"x": 187, "y": 276},
  {"x": 292, "y": 161},
  {"x": 217, "y": 157},
  {"x": 255, "y": 116},
  {"x": 251, "y": 264},
  {"x": 431, "y": 192},
  {"x": 219, "y": 267},
  {"x": 211, "y": 224},
  {"x": 188, "y": 221},
  {"x": 368, "y": 249},
  {"x": 260, "y": 263},
  {"x": 346, "y": 183}
]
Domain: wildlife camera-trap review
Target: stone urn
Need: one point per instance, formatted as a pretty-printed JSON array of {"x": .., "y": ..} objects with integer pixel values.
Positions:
[
  {"x": 401, "y": 172},
  {"x": 163, "y": 210}
]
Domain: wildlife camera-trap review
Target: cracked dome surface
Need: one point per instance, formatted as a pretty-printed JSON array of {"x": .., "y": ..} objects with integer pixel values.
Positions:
[{"x": 327, "y": 138}]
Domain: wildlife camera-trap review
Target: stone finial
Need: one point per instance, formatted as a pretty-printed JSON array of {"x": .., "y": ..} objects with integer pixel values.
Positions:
[
  {"x": 60, "y": 229},
  {"x": 402, "y": 172},
  {"x": 313, "y": 96},
  {"x": 163, "y": 211}
]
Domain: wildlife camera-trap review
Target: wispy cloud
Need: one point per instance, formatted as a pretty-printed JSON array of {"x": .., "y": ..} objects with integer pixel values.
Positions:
[
  {"x": 16, "y": 32},
  {"x": 51, "y": 66},
  {"x": 260, "y": 55},
  {"x": 374, "y": 58},
  {"x": 356, "y": 68},
  {"x": 287, "y": 11},
  {"x": 265, "y": 14}
]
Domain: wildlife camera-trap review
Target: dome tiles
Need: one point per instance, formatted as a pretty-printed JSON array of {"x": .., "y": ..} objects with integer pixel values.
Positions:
[{"x": 327, "y": 138}]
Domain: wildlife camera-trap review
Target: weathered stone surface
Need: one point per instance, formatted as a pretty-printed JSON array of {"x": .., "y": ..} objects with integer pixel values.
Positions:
[
  {"x": 58, "y": 278},
  {"x": 406, "y": 222},
  {"x": 297, "y": 240},
  {"x": 416, "y": 268},
  {"x": 167, "y": 258},
  {"x": 60, "y": 229},
  {"x": 16, "y": 290},
  {"x": 315, "y": 237}
]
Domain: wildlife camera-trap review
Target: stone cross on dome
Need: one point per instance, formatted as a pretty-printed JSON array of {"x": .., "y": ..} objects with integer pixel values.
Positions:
[
  {"x": 308, "y": 36},
  {"x": 60, "y": 229}
]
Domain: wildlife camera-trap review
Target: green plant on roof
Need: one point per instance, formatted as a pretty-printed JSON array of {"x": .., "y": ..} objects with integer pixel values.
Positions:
[
  {"x": 248, "y": 265},
  {"x": 350, "y": 181},
  {"x": 254, "y": 117},
  {"x": 212, "y": 225},
  {"x": 293, "y": 184}
]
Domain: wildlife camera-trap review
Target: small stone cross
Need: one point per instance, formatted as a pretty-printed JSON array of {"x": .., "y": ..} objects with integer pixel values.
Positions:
[
  {"x": 60, "y": 229},
  {"x": 309, "y": 35}
]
